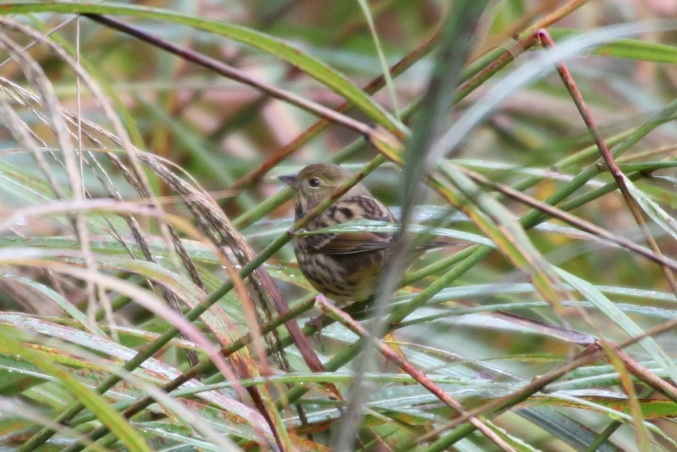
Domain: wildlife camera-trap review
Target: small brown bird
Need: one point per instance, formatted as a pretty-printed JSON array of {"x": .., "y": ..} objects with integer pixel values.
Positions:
[{"x": 346, "y": 266}]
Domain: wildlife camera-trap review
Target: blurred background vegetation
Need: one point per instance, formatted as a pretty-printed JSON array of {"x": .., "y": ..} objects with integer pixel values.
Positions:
[{"x": 139, "y": 186}]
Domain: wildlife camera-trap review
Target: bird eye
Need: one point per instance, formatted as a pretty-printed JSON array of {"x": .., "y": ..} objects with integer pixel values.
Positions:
[{"x": 313, "y": 182}]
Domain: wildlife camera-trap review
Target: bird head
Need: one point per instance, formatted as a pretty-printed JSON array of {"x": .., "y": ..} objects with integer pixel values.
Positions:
[{"x": 316, "y": 182}]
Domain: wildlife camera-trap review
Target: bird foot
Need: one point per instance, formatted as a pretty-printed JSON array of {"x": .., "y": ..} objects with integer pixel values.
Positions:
[{"x": 320, "y": 321}]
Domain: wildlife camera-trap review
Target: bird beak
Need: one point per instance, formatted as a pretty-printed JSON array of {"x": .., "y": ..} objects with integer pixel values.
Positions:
[{"x": 290, "y": 180}]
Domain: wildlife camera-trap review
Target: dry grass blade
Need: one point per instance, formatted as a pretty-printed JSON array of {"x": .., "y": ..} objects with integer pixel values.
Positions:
[{"x": 148, "y": 305}]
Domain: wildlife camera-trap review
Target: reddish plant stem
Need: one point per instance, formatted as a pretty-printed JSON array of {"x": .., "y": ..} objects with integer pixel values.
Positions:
[{"x": 546, "y": 40}]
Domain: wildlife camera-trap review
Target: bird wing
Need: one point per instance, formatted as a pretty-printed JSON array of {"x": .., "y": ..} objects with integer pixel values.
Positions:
[
  {"x": 353, "y": 243},
  {"x": 361, "y": 207}
]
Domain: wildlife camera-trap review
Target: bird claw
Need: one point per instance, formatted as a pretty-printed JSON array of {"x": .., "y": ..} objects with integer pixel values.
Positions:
[{"x": 317, "y": 323}]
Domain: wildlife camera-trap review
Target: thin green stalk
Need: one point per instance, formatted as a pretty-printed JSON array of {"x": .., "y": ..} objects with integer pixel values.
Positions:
[
  {"x": 205, "y": 366},
  {"x": 153, "y": 347},
  {"x": 476, "y": 253},
  {"x": 613, "y": 426},
  {"x": 483, "y": 68}
]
